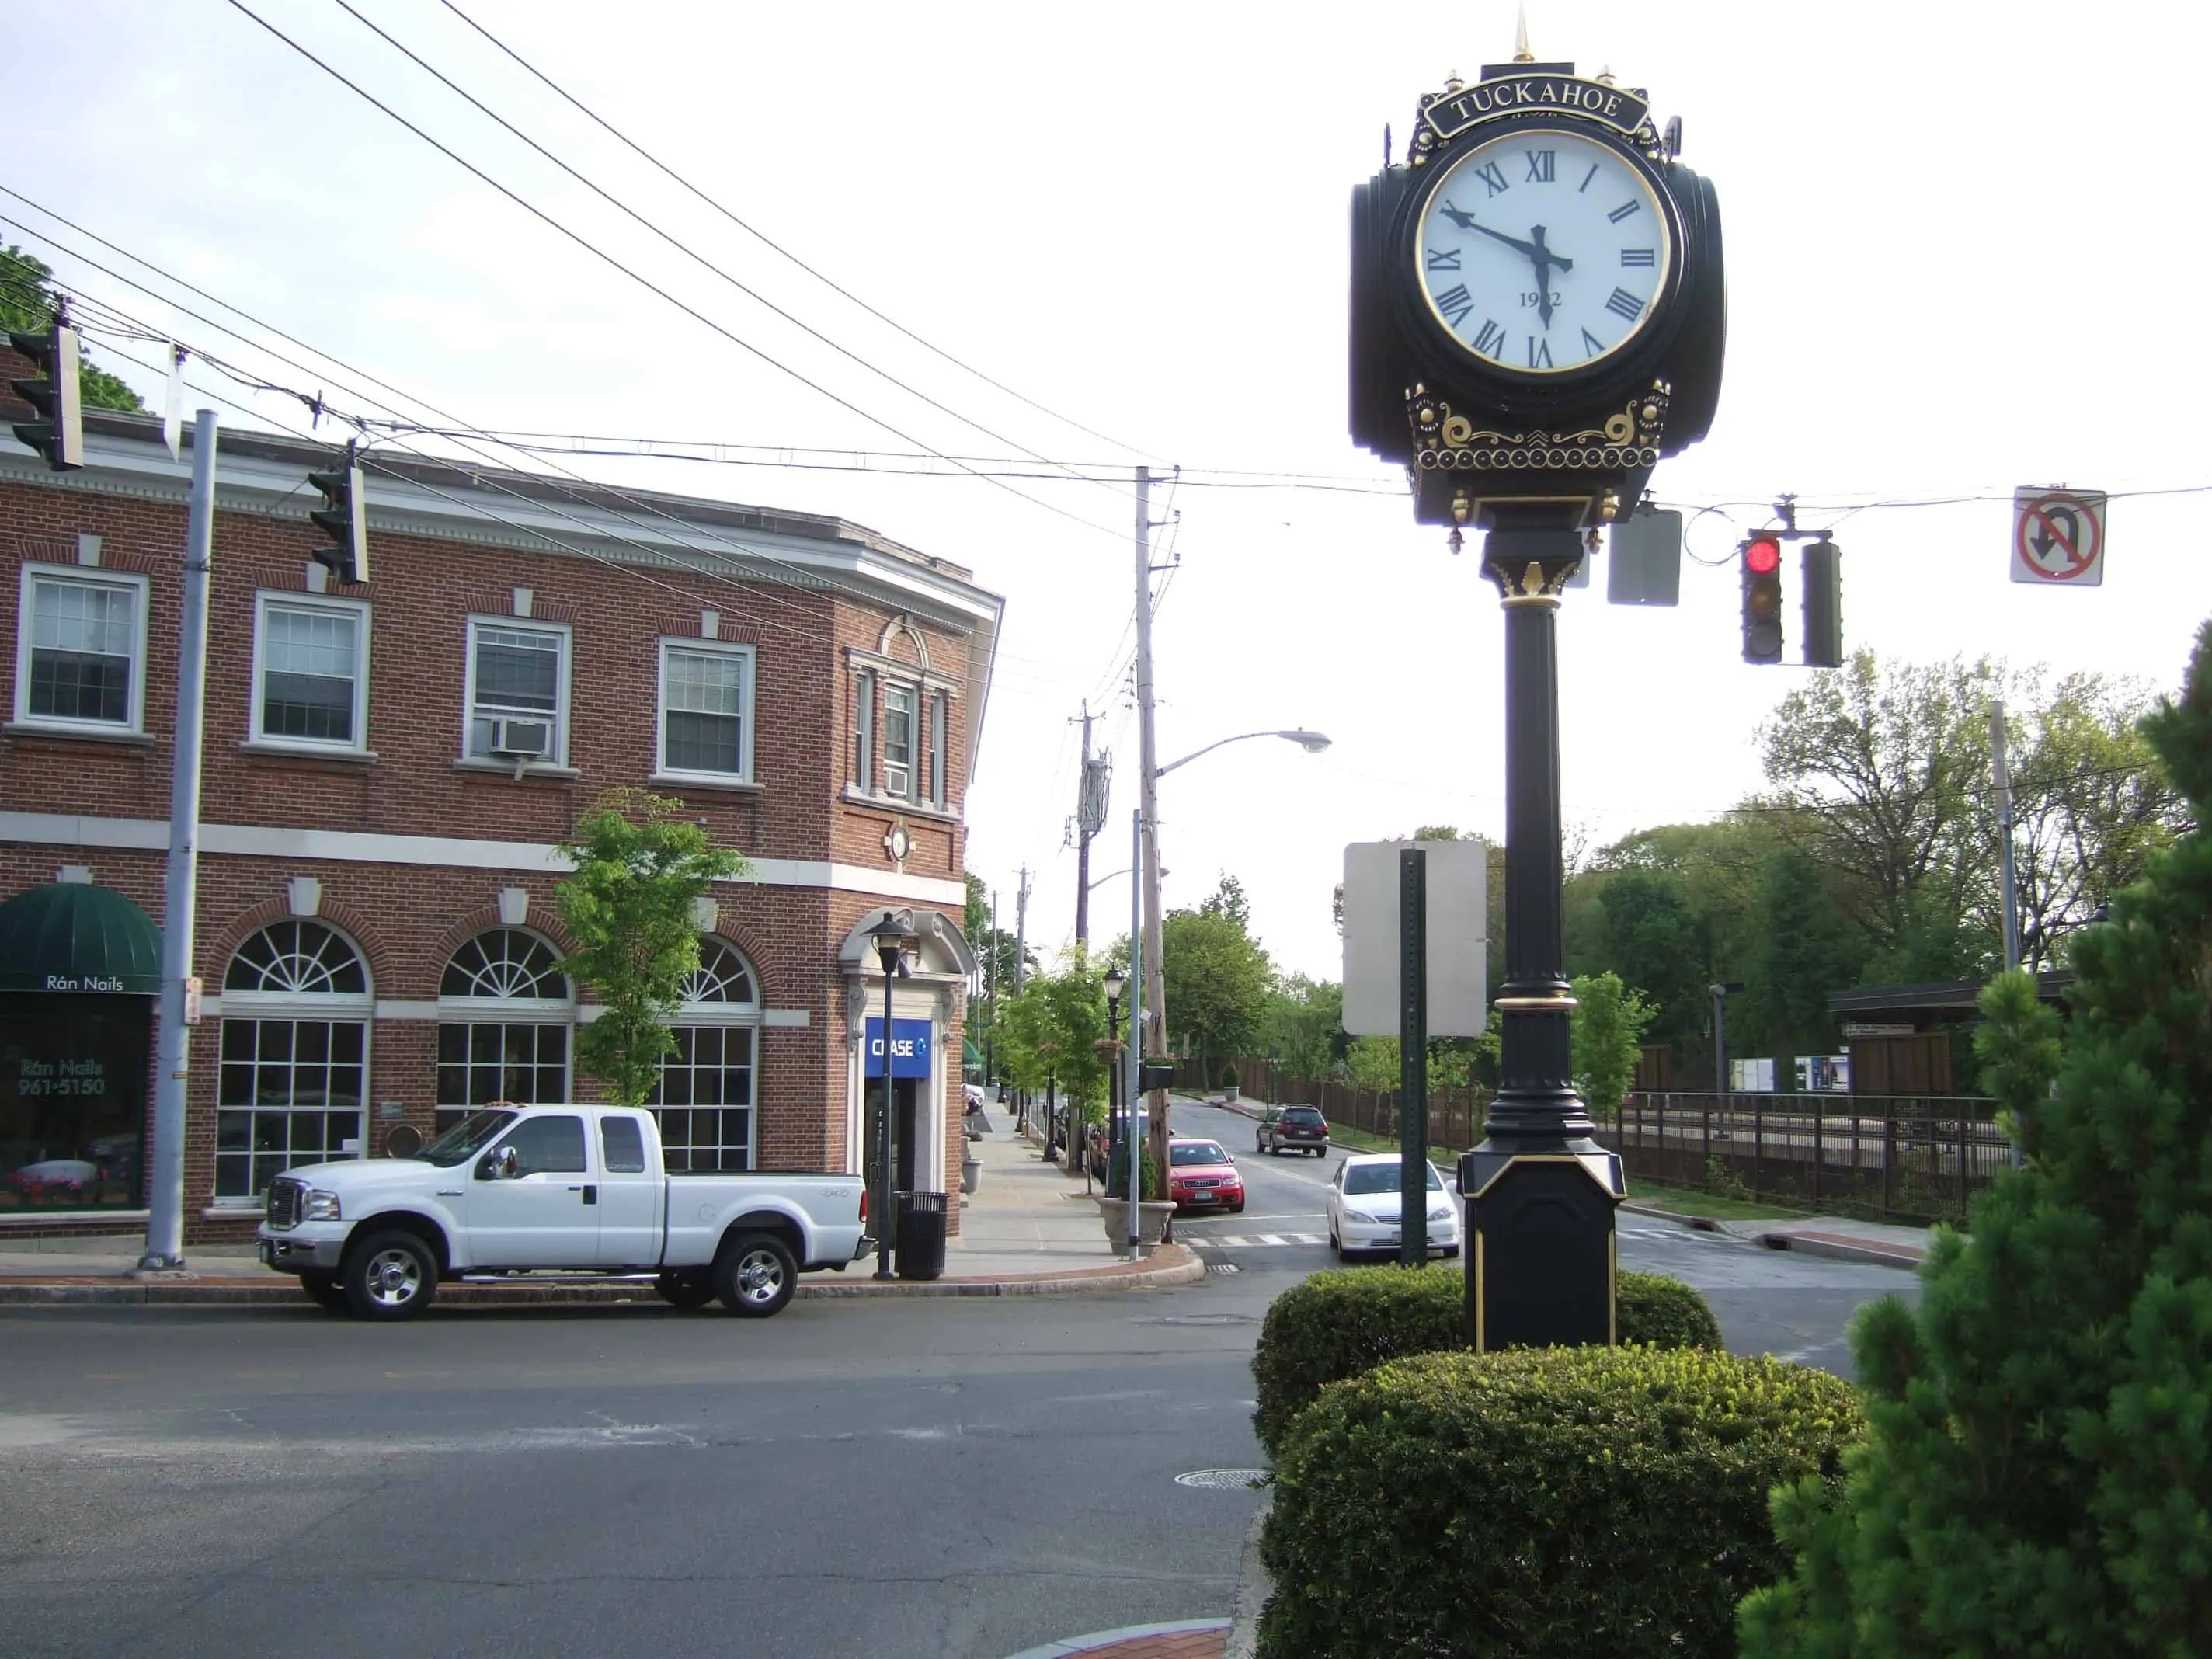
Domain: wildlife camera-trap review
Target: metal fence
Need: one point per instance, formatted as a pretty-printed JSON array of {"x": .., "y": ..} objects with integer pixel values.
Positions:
[{"x": 1906, "y": 1157}]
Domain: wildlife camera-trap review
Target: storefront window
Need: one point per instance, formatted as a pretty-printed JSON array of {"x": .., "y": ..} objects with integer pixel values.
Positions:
[
  {"x": 72, "y": 1103},
  {"x": 295, "y": 1068},
  {"x": 507, "y": 1010},
  {"x": 705, "y": 1097}
]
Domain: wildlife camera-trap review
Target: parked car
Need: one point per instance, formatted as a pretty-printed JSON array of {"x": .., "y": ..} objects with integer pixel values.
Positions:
[
  {"x": 510, "y": 1189},
  {"x": 1202, "y": 1175},
  {"x": 1102, "y": 1135},
  {"x": 1363, "y": 1207},
  {"x": 1292, "y": 1129}
]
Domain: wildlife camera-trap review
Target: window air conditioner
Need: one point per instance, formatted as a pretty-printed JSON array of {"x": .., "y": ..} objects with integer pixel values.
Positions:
[{"x": 521, "y": 740}]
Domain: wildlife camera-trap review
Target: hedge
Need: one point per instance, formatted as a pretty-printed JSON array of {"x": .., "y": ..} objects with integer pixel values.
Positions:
[
  {"x": 1339, "y": 1324},
  {"x": 1544, "y": 1502}
]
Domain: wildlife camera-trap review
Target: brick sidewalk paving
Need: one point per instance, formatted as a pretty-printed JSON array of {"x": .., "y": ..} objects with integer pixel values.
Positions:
[{"x": 1197, "y": 1640}]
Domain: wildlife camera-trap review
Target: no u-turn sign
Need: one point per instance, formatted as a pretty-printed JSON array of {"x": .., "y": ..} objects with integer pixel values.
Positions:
[{"x": 2058, "y": 537}]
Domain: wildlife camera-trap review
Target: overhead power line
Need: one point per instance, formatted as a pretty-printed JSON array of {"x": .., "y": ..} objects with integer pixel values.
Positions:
[
  {"x": 772, "y": 245},
  {"x": 647, "y": 283}
]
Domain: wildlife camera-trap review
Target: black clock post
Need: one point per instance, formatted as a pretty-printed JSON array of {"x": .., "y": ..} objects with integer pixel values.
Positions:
[{"x": 1529, "y": 347}]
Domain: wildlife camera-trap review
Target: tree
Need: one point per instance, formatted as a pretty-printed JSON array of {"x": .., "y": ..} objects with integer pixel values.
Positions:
[
  {"x": 1806, "y": 949},
  {"x": 1304, "y": 1024},
  {"x": 27, "y": 302},
  {"x": 2037, "y": 1474},
  {"x": 1655, "y": 944},
  {"x": 630, "y": 905},
  {"x": 1228, "y": 900},
  {"x": 1216, "y": 981},
  {"x": 976, "y": 915},
  {"x": 1607, "y": 1029}
]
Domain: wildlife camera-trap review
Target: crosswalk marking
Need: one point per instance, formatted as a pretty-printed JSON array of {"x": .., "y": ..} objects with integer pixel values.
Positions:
[{"x": 1257, "y": 1241}]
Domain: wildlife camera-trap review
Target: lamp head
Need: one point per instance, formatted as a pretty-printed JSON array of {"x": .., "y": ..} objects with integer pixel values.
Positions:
[
  {"x": 1312, "y": 742},
  {"x": 1117, "y": 982},
  {"x": 891, "y": 935}
]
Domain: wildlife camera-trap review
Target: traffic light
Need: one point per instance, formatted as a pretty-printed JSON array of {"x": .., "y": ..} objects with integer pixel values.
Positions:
[
  {"x": 1762, "y": 599},
  {"x": 1821, "y": 572},
  {"x": 60, "y": 436},
  {"x": 344, "y": 519}
]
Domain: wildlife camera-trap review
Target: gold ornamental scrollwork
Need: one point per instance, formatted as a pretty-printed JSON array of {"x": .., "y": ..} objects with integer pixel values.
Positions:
[{"x": 1446, "y": 441}]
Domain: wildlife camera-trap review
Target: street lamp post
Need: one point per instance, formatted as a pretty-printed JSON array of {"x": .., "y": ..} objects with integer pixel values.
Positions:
[
  {"x": 1116, "y": 982},
  {"x": 1152, "y": 980},
  {"x": 890, "y": 936}
]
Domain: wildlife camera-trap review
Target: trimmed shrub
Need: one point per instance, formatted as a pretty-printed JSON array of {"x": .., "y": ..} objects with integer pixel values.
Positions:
[
  {"x": 1338, "y": 1324},
  {"x": 1545, "y": 1503}
]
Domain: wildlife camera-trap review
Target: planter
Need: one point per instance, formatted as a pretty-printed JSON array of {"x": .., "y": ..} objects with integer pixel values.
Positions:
[
  {"x": 971, "y": 1175},
  {"x": 1229, "y": 1094},
  {"x": 1152, "y": 1218}
]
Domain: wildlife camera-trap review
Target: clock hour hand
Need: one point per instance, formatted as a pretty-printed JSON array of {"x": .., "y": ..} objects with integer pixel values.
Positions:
[{"x": 1545, "y": 260}]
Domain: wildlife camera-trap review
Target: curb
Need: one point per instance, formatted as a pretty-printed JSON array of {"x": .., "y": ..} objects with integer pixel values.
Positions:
[
  {"x": 1185, "y": 1269},
  {"x": 1829, "y": 1246},
  {"x": 1099, "y": 1640},
  {"x": 1254, "y": 1588}
]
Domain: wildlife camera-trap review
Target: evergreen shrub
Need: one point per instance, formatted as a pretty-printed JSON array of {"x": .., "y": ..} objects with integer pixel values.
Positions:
[
  {"x": 2037, "y": 1478},
  {"x": 1339, "y": 1324},
  {"x": 1544, "y": 1502}
]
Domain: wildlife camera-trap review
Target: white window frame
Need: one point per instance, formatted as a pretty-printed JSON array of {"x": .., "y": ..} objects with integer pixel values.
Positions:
[
  {"x": 505, "y": 1011},
  {"x": 940, "y": 725},
  {"x": 357, "y": 609},
  {"x": 864, "y": 732},
  {"x": 729, "y": 1018},
  {"x": 82, "y": 576},
  {"x": 912, "y": 764},
  {"x": 748, "y": 657},
  {"x": 559, "y": 714}
]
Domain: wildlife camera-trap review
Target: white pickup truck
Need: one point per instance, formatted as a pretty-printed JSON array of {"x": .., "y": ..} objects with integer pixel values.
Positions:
[{"x": 573, "y": 1188}]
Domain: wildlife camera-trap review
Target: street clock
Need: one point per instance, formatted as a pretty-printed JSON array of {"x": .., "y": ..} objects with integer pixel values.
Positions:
[{"x": 1537, "y": 304}]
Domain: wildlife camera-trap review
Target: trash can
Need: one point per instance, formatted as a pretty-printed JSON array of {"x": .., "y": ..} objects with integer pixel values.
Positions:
[{"x": 920, "y": 1236}]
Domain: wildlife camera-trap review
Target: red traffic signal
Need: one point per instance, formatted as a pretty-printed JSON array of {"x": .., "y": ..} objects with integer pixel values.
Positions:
[{"x": 1762, "y": 599}]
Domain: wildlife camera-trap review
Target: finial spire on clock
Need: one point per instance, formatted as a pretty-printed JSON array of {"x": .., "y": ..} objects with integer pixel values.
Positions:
[{"x": 1520, "y": 52}]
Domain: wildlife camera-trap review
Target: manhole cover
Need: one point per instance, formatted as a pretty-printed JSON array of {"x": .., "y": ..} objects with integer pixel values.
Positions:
[{"x": 1222, "y": 1479}]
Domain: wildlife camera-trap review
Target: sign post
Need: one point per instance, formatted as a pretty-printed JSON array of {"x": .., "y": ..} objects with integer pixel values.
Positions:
[{"x": 1413, "y": 1057}]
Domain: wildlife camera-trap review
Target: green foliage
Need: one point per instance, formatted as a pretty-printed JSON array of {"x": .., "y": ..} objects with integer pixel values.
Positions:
[
  {"x": 975, "y": 913},
  {"x": 629, "y": 905},
  {"x": 1544, "y": 1502},
  {"x": 1608, "y": 1024},
  {"x": 1217, "y": 980},
  {"x": 1338, "y": 1324},
  {"x": 1055, "y": 1032},
  {"x": 1148, "y": 1184},
  {"x": 1228, "y": 900},
  {"x": 1655, "y": 943},
  {"x": 1372, "y": 1063},
  {"x": 1304, "y": 1023},
  {"x": 26, "y": 307},
  {"x": 2038, "y": 1480}
]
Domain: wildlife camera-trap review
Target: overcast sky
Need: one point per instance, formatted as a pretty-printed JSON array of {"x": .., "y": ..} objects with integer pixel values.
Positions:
[{"x": 1961, "y": 239}]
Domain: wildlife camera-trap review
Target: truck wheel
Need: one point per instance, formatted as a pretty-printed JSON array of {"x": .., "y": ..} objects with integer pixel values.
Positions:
[
  {"x": 391, "y": 1275},
  {"x": 324, "y": 1291},
  {"x": 754, "y": 1275},
  {"x": 685, "y": 1291}
]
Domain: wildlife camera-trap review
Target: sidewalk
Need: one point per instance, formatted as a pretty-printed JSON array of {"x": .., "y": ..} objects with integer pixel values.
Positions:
[
  {"x": 1028, "y": 1231},
  {"x": 1836, "y": 1238}
]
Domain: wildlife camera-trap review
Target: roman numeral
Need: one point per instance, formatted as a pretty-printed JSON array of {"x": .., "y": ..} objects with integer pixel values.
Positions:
[
  {"x": 1639, "y": 256},
  {"x": 1490, "y": 339},
  {"x": 1493, "y": 176},
  {"x": 1456, "y": 304},
  {"x": 1625, "y": 305},
  {"x": 1591, "y": 343},
  {"x": 1541, "y": 163},
  {"x": 1587, "y": 177},
  {"x": 1623, "y": 211},
  {"x": 1447, "y": 258},
  {"x": 1540, "y": 353}
]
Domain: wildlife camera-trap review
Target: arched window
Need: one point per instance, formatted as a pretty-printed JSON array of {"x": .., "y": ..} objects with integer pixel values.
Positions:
[
  {"x": 706, "y": 1099},
  {"x": 505, "y": 1009},
  {"x": 294, "y": 1057}
]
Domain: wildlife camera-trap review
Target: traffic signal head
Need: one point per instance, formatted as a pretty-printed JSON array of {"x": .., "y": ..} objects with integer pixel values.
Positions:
[
  {"x": 1821, "y": 579},
  {"x": 344, "y": 519},
  {"x": 1762, "y": 599},
  {"x": 60, "y": 436}
]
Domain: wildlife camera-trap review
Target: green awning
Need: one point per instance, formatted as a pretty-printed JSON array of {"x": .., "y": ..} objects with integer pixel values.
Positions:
[
  {"x": 971, "y": 1057},
  {"x": 75, "y": 938}
]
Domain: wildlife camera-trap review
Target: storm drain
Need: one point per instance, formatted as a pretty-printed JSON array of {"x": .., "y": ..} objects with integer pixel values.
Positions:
[
  {"x": 1222, "y": 1479},
  {"x": 1222, "y": 1267}
]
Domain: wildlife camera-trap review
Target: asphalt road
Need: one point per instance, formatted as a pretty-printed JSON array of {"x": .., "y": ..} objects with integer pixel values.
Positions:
[{"x": 947, "y": 1478}]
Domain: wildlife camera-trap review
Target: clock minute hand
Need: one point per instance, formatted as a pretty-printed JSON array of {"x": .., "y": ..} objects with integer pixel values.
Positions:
[
  {"x": 1544, "y": 260},
  {"x": 1514, "y": 242}
]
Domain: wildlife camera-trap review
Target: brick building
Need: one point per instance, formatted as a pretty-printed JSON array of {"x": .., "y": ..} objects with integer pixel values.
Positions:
[{"x": 387, "y": 770}]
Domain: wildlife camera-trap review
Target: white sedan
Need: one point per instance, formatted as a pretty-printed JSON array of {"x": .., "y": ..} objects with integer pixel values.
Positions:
[{"x": 1363, "y": 1207}]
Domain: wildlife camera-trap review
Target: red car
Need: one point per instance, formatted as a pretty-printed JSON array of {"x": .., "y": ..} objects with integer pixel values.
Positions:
[{"x": 1202, "y": 1175}]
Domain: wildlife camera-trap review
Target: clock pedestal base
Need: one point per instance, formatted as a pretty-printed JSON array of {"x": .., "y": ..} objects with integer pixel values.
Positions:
[{"x": 1540, "y": 1191}]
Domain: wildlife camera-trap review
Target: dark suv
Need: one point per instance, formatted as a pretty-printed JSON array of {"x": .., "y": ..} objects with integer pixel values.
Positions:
[{"x": 1292, "y": 1129}]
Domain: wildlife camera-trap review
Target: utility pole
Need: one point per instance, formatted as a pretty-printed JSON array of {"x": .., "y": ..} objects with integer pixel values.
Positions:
[
  {"x": 991, "y": 994},
  {"x": 1082, "y": 844},
  {"x": 1147, "y": 945},
  {"x": 1021, "y": 927},
  {"x": 165, "y": 1216}
]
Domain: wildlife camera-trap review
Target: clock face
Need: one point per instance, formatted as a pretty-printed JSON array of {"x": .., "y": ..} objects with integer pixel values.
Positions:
[{"x": 1542, "y": 252}]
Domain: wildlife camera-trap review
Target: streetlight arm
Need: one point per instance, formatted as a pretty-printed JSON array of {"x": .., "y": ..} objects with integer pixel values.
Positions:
[{"x": 1311, "y": 742}]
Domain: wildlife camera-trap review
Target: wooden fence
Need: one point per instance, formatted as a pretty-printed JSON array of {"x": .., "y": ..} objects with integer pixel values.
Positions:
[{"x": 1454, "y": 1115}]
